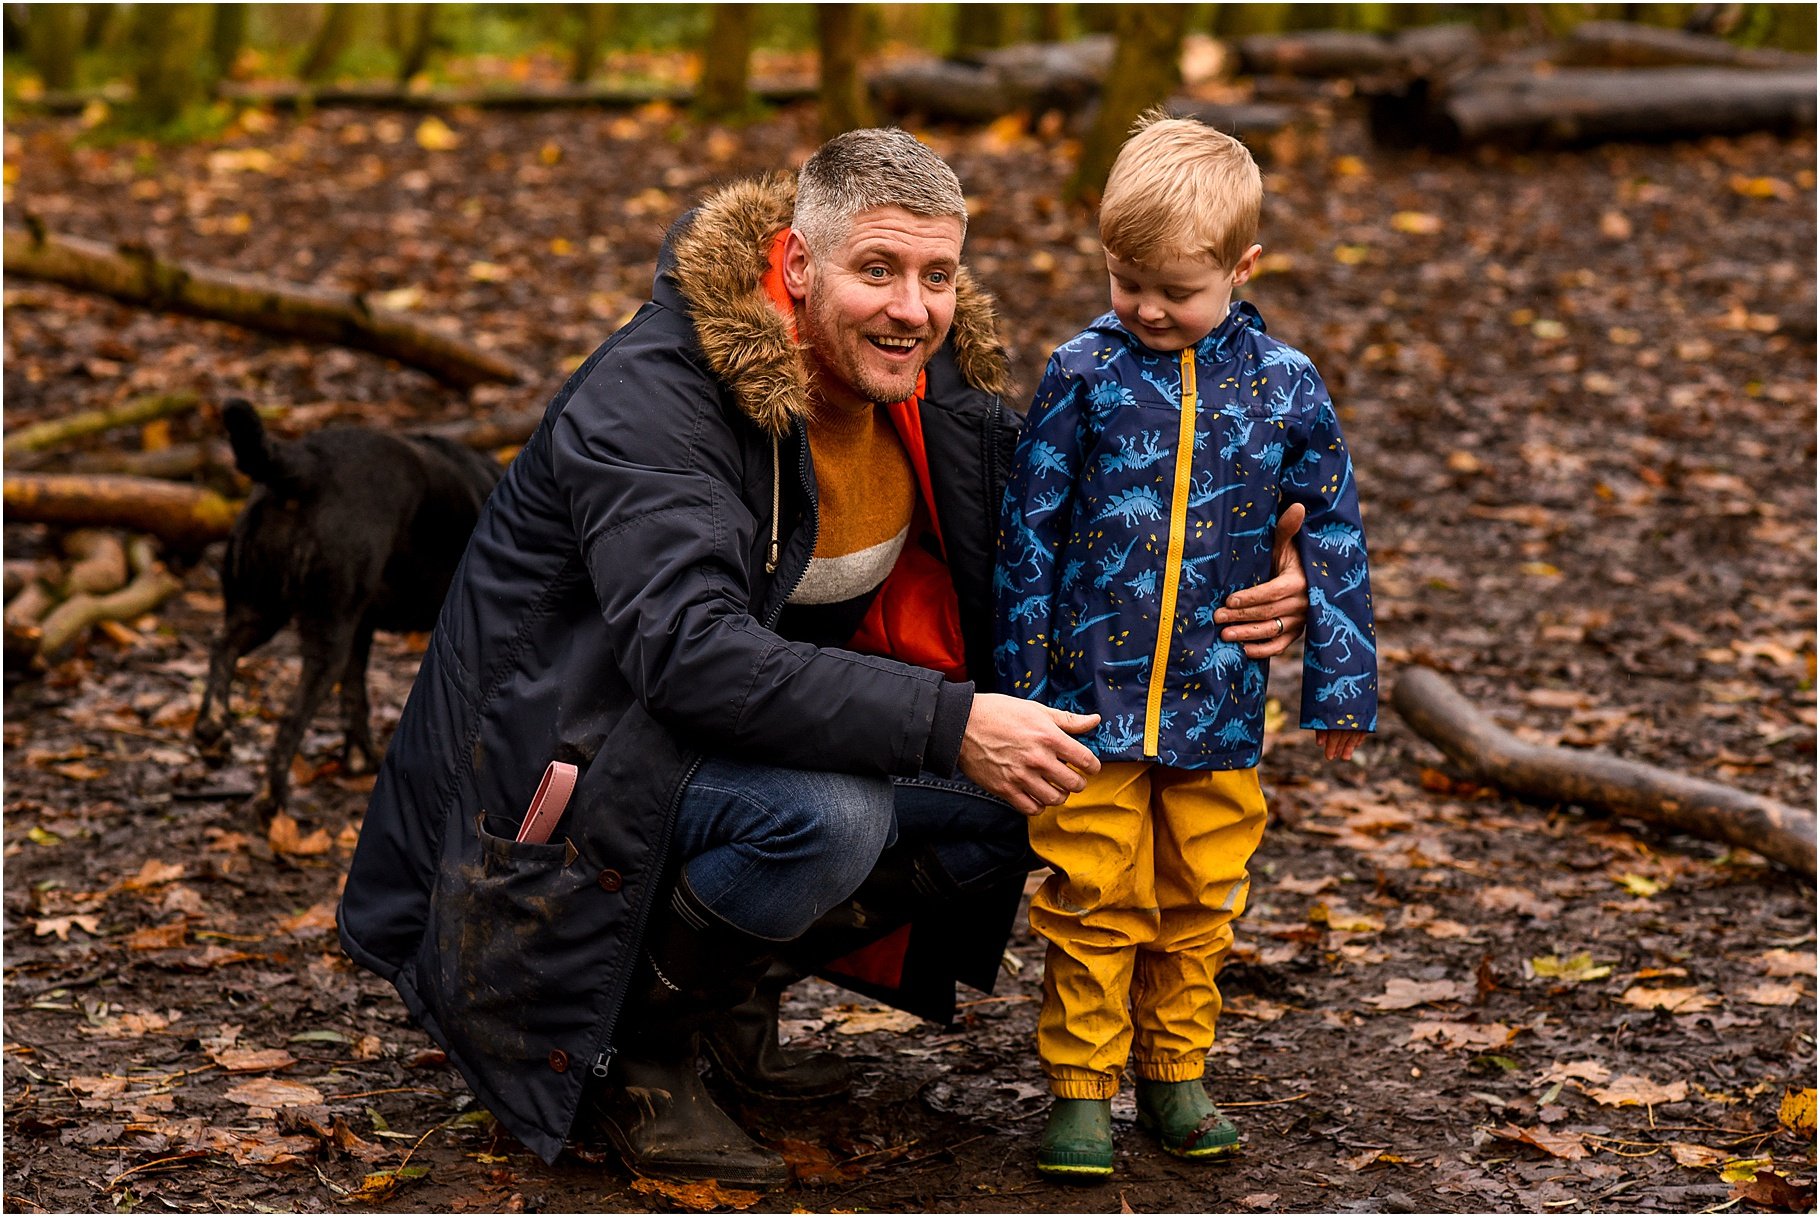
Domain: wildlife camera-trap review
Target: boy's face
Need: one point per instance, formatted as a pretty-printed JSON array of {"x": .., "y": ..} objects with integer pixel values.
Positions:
[{"x": 1175, "y": 303}]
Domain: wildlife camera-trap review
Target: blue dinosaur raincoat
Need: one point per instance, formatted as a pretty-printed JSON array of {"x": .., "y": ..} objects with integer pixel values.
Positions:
[{"x": 1144, "y": 491}]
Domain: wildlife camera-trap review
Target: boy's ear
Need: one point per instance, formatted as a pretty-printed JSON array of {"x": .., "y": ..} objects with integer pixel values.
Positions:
[
  {"x": 796, "y": 266},
  {"x": 1247, "y": 266}
]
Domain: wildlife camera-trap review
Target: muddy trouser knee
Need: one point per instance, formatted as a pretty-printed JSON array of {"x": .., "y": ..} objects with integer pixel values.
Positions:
[{"x": 1149, "y": 874}]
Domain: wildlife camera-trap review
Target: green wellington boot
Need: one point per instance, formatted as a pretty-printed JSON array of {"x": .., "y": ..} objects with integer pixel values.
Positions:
[
  {"x": 1184, "y": 1119},
  {"x": 1077, "y": 1142}
]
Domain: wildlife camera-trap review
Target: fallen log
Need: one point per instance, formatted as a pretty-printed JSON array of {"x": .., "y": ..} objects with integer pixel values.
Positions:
[
  {"x": 187, "y": 517},
  {"x": 1438, "y": 713},
  {"x": 25, "y": 610},
  {"x": 1032, "y": 77},
  {"x": 98, "y": 562},
  {"x": 1353, "y": 54},
  {"x": 1521, "y": 108},
  {"x": 48, "y": 434},
  {"x": 152, "y": 585},
  {"x": 176, "y": 463},
  {"x": 137, "y": 276},
  {"x": 485, "y": 434},
  {"x": 1625, "y": 44}
]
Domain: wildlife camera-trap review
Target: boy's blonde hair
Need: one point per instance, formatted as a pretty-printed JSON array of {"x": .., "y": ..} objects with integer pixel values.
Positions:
[{"x": 1180, "y": 189}]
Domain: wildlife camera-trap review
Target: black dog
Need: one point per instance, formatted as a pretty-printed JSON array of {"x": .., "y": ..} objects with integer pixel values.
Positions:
[{"x": 348, "y": 531}]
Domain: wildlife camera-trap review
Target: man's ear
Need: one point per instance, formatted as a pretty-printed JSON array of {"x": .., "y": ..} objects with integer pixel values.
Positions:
[
  {"x": 796, "y": 266},
  {"x": 1247, "y": 266}
]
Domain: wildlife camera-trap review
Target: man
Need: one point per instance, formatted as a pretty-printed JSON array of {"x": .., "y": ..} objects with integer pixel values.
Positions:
[{"x": 741, "y": 575}]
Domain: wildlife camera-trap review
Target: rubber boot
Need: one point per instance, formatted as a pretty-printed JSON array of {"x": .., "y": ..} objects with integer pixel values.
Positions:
[
  {"x": 654, "y": 1107},
  {"x": 1184, "y": 1119},
  {"x": 743, "y": 1047},
  {"x": 1077, "y": 1141}
]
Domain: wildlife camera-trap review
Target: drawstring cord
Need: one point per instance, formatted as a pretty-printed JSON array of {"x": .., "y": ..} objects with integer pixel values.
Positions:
[{"x": 777, "y": 479}]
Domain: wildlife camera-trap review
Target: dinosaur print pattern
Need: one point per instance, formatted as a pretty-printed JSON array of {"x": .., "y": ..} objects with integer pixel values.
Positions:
[{"x": 1085, "y": 530}]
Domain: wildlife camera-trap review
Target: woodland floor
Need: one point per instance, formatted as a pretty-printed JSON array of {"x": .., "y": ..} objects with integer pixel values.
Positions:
[{"x": 1579, "y": 388}]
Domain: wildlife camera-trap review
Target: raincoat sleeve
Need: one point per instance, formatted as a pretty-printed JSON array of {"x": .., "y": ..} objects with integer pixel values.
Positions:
[
  {"x": 670, "y": 545},
  {"x": 1340, "y": 659},
  {"x": 1033, "y": 526}
]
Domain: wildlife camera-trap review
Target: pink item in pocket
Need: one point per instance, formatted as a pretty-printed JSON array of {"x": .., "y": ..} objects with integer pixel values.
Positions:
[{"x": 548, "y": 803}]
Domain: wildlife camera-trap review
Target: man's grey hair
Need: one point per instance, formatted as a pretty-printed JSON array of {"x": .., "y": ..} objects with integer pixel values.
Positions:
[{"x": 873, "y": 167}]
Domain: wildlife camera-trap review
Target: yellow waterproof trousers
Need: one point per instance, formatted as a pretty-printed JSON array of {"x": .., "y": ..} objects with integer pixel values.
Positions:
[{"x": 1150, "y": 871}]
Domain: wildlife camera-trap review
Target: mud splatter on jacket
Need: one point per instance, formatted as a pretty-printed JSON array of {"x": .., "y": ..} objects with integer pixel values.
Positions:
[{"x": 1145, "y": 490}]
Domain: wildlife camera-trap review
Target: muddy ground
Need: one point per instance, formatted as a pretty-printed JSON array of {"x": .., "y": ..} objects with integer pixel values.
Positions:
[{"x": 1579, "y": 387}]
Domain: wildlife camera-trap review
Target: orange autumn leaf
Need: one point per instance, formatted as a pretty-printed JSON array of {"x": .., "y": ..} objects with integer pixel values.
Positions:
[
  {"x": 158, "y": 937},
  {"x": 703, "y": 1196},
  {"x": 252, "y": 1060},
  {"x": 286, "y": 838}
]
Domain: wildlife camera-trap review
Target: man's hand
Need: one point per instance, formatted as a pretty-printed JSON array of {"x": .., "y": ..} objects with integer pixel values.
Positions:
[
  {"x": 1025, "y": 753},
  {"x": 1270, "y": 616},
  {"x": 1338, "y": 745}
]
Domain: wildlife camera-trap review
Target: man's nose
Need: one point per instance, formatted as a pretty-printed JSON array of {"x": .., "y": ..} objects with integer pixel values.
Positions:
[{"x": 908, "y": 307}]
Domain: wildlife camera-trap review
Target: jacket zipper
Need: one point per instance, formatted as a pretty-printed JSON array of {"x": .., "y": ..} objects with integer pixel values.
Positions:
[
  {"x": 603, "y": 1059},
  {"x": 1172, "y": 563}
]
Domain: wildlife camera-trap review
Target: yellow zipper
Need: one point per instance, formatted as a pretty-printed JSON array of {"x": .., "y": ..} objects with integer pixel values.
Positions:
[{"x": 1172, "y": 564}]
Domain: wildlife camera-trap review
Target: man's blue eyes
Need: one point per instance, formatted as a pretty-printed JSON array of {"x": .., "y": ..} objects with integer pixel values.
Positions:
[{"x": 879, "y": 273}]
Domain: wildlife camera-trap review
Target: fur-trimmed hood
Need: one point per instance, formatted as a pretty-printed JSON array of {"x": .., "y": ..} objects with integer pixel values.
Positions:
[{"x": 720, "y": 262}]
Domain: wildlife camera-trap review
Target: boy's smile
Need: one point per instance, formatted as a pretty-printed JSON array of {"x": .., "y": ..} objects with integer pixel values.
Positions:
[{"x": 1175, "y": 303}]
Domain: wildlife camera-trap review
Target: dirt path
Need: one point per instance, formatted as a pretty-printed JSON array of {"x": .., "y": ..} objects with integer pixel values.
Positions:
[{"x": 1580, "y": 392}]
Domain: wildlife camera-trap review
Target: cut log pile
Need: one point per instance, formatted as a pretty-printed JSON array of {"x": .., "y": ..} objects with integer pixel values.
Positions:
[
  {"x": 1597, "y": 780},
  {"x": 51, "y": 605}
]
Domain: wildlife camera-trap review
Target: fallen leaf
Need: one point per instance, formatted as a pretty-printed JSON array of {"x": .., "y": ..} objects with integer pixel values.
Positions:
[
  {"x": 1260, "y": 1200},
  {"x": 380, "y": 1185},
  {"x": 130, "y": 1026},
  {"x": 1442, "y": 928},
  {"x": 434, "y": 135},
  {"x": 252, "y": 1060},
  {"x": 1796, "y": 1112},
  {"x": 1771, "y": 994},
  {"x": 1675, "y": 1001},
  {"x": 1568, "y": 1071},
  {"x": 856, "y": 1020},
  {"x": 1359, "y": 1162},
  {"x": 1772, "y": 1191},
  {"x": 150, "y": 875},
  {"x": 285, "y": 838},
  {"x": 1780, "y": 962},
  {"x": 1688, "y": 1154},
  {"x": 158, "y": 937},
  {"x": 1416, "y": 223},
  {"x": 1574, "y": 970},
  {"x": 1637, "y": 885},
  {"x": 1569, "y": 1146},
  {"x": 1517, "y": 900},
  {"x": 61, "y": 926},
  {"x": 809, "y": 1162},
  {"x": 317, "y": 919},
  {"x": 1246, "y": 1006},
  {"x": 1454, "y": 1036},
  {"x": 1400, "y": 994},
  {"x": 367, "y": 1048},
  {"x": 1743, "y": 1170},
  {"x": 701, "y": 1197},
  {"x": 1630, "y": 1090},
  {"x": 274, "y": 1092}
]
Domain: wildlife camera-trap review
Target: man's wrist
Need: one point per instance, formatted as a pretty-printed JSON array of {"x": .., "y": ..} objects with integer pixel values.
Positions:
[{"x": 953, "y": 707}]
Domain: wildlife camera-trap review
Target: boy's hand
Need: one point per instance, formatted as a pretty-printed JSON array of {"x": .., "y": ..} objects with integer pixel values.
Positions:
[
  {"x": 1026, "y": 753},
  {"x": 1338, "y": 745},
  {"x": 1270, "y": 616}
]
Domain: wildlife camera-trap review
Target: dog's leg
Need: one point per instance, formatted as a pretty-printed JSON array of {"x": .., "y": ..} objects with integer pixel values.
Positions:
[
  {"x": 325, "y": 647},
  {"x": 357, "y": 754},
  {"x": 245, "y": 629}
]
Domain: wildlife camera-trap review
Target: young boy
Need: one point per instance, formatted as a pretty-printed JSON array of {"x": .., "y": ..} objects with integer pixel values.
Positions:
[{"x": 1163, "y": 442}]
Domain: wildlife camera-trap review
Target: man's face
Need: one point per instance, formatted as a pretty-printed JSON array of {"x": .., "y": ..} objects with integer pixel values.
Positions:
[
  {"x": 876, "y": 308},
  {"x": 1176, "y": 303}
]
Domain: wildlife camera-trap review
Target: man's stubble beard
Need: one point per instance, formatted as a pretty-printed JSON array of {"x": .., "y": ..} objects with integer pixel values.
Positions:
[{"x": 830, "y": 358}]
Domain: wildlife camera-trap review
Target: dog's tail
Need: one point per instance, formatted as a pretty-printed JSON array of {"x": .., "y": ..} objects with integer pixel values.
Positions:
[{"x": 255, "y": 454}]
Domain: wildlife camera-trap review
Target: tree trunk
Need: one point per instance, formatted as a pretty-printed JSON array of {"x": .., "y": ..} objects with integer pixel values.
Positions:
[
  {"x": 228, "y": 38},
  {"x": 416, "y": 37},
  {"x": 596, "y": 25},
  {"x": 979, "y": 27},
  {"x": 1146, "y": 69},
  {"x": 1052, "y": 22},
  {"x": 53, "y": 38},
  {"x": 1438, "y": 713},
  {"x": 843, "y": 94},
  {"x": 332, "y": 38},
  {"x": 726, "y": 63},
  {"x": 172, "y": 72},
  {"x": 184, "y": 516},
  {"x": 95, "y": 25},
  {"x": 293, "y": 310},
  {"x": 55, "y": 431}
]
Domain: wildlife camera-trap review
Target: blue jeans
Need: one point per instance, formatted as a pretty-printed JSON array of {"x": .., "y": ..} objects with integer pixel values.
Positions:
[{"x": 770, "y": 850}]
